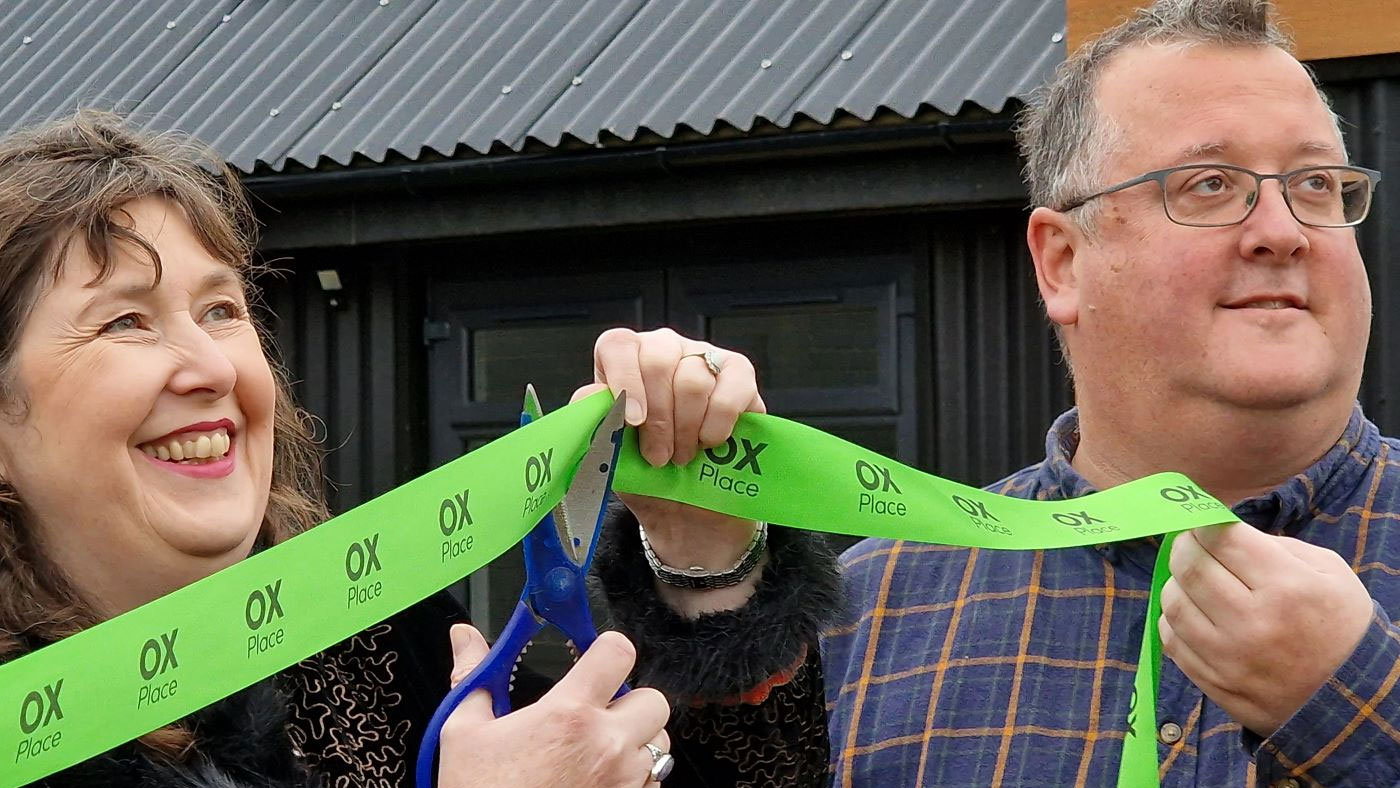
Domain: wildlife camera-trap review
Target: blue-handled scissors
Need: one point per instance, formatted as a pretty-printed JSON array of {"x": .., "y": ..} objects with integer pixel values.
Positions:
[{"x": 558, "y": 552}]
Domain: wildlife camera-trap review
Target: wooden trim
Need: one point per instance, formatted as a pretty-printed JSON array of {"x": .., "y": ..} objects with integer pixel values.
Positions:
[{"x": 1321, "y": 30}]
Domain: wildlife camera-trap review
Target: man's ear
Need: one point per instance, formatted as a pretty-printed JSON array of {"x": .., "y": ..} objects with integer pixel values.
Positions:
[{"x": 1053, "y": 239}]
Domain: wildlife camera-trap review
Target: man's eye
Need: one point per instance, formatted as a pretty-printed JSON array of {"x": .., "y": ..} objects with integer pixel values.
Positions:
[
  {"x": 1213, "y": 184},
  {"x": 1318, "y": 183}
]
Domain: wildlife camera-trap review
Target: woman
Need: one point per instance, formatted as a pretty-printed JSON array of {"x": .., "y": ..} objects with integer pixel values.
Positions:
[{"x": 147, "y": 441}]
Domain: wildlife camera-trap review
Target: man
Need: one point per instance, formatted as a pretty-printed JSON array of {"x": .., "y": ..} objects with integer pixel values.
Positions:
[
  {"x": 1194, "y": 246},
  {"x": 1231, "y": 352}
]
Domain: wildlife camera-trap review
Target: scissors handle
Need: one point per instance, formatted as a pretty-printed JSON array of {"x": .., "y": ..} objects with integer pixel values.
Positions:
[
  {"x": 583, "y": 641},
  {"x": 492, "y": 675},
  {"x": 581, "y": 633},
  {"x": 557, "y": 591}
]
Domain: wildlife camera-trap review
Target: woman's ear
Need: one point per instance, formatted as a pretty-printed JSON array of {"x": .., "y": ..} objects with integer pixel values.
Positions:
[
  {"x": 11, "y": 422},
  {"x": 4, "y": 460},
  {"x": 1053, "y": 239},
  {"x": 9, "y": 496}
]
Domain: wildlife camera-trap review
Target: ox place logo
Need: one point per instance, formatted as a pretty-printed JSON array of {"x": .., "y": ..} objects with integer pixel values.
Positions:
[
  {"x": 156, "y": 659},
  {"x": 980, "y": 516},
  {"x": 159, "y": 656},
  {"x": 1084, "y": 523},
  {"x": 880, "y": 494},
  {"x": 538, "y": 473},
  {"x": 362, "y": 563},
  {"x": 1190, "y": 498},
  {"x": 734, "y": 455},
  {"x": 454, "y": 514},
  {"x": 263, "y": 608},
  {"x": 362, "y": 558},
  {"x": 537, "y": 470},
  {"x": 39, "y": 710}
]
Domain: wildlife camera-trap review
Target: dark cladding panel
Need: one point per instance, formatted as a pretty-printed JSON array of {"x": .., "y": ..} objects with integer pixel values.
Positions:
[
  {"x": 1370, "y": 111},
  {"x": 996, "y": 375},
  {"x": 353, "y": 357}
]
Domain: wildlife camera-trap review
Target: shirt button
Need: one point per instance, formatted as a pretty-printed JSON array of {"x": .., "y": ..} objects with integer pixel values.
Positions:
[{"x": 1169, "y": 733}]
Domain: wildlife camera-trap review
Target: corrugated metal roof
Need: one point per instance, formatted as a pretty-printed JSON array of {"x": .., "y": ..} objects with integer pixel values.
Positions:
[{"x": 305, "y": 81}]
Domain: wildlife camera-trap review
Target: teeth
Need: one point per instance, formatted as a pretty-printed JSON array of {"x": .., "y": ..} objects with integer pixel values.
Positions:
[
  {"x": 1274, "y": 304},
  {"x": 206, "y": 447}
]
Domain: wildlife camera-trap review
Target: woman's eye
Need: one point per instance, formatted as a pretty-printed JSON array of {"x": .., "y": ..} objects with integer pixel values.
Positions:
[
  {"x": 222, "y": 312},
  {"x": 127, "y": 322}
]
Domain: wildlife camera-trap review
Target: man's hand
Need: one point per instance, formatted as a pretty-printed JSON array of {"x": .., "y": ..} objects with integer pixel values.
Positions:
[
  {"x": 680, "y": 407},
  {"x": 1259, "y": 622}
]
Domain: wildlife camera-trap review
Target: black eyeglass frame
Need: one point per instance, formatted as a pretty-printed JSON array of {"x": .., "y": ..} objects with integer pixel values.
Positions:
[{"x": 1160, "y": 176}]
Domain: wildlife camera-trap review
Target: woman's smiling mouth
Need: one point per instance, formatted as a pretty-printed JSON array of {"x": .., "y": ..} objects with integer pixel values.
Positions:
[{"x": 203, "y": 450}]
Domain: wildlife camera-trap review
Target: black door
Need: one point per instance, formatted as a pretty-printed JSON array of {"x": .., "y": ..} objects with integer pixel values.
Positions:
[{"x": 833, "y": 340}]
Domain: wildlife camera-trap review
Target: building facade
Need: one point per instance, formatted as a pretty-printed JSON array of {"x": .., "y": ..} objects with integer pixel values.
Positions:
[{"x": 457, "y": 197}]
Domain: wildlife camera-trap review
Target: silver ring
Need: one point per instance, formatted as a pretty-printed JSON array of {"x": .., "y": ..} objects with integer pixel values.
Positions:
[
  {"x": 661, "y": 762},
  {"x": 712, "y": 360}
]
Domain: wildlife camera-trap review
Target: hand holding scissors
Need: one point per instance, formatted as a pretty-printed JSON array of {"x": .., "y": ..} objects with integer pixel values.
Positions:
[{"x": 578, "y": 732}]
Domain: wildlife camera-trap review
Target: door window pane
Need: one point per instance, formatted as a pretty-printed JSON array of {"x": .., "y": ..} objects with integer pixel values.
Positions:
[
  {"x": 879, "y": 438},
  {"x": 806, "y": 346},
  {"x": 555, "y": 357}
]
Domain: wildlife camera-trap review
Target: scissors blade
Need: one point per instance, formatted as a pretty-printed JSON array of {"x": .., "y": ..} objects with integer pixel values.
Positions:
[
  {"x": 579, "y": 516},
  {"x": 532, "y": 403}
]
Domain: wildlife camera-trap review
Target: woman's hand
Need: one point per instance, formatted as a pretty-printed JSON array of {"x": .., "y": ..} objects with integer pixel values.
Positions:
[
  {"x": 575, "y": 735},
  {"x": 680, "y": 408}
]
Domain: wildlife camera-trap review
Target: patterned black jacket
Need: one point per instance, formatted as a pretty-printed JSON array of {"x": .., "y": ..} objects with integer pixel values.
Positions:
[{"x": 746, "y": 686}]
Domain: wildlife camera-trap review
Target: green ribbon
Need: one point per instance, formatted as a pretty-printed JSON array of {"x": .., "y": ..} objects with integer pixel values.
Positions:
[
  {"x": 154, "y": 665},
  {"x": 789, "y": 473}
]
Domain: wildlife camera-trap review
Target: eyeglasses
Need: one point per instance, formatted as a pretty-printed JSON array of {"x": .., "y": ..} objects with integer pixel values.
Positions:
[{"x": 1219, "y": 195}]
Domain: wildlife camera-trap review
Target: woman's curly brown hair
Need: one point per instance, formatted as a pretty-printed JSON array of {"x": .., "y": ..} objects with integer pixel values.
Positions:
[{"x": 63, "y": 183}]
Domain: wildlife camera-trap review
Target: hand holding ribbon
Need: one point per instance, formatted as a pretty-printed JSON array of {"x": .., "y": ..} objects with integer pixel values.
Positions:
[{"x": 1259, "y": 622}]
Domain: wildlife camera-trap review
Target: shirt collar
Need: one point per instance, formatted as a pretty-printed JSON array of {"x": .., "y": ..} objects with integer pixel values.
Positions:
[
  {"x": 1283, "y": 510},
  {"x": 1322, "y": 486}
]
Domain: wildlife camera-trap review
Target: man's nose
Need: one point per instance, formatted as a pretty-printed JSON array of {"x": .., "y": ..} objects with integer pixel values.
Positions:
[{"x": 1271, "y": 233}]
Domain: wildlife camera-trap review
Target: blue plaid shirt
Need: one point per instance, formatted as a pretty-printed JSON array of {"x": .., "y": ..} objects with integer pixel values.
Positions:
[{"x": 980, "y": 668}]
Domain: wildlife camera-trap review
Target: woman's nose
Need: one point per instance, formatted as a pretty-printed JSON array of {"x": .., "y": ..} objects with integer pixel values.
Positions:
[{"x": 202, "y": 364}]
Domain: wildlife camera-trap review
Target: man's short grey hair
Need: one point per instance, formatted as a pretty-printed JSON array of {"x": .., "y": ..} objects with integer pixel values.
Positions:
[{"x": 1065, "y": 139}]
